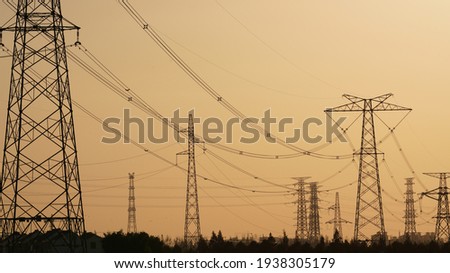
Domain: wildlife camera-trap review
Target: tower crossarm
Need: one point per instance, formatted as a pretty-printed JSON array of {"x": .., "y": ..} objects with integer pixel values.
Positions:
[
  {"x": 438, "y": 175},
  {"x": 343, "y": 221},
  {"x": 432, "y": 193},
  {"x": 358, "y": 104}
]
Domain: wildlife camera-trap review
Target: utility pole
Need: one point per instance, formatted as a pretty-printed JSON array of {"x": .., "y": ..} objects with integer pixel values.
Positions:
[
  {"x": 132, "y": 227},
  {"x": 410, "y": 212},
  {"x": 314, "y": 218},
  {"x": 369, "y": 217},
  {"x": 192, "y": 232},
  {"x": 40, "y": 183},
  {"x": 442, "y": 230},
  {"x": 337, "y": 220},
  {"x": 301, "y": 232}
]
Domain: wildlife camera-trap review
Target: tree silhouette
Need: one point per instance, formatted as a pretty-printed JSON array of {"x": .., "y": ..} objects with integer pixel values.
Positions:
[{"x": 118, "y": 242}]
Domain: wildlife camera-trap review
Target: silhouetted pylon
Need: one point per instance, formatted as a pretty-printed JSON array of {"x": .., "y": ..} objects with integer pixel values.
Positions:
[
  {"x": 192, "y": 232},
  {"x": 369, "y": 217},
  {"x": 301, "y": 231},
  {"x": 40, "y": 183},
  {"x": 132, "y": 227},
  {"x": 442, "y": 230},
  {"x": 410, "y": 212},
  {"x": 337, "y": 220},
  {"x": 314, "y": 218}
]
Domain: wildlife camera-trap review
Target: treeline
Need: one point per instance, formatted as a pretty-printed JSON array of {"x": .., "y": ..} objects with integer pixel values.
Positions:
[{"x": 119, "y": 242}]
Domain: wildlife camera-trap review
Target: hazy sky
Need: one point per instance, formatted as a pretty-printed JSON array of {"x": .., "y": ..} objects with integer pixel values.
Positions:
[{"x": 294, "y": 57}]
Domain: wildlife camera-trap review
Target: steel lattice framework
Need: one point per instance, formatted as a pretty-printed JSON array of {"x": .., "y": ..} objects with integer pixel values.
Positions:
[
  {"x": 40, "y": 182},
  {"x": 301, "y": 232},
  {"x": 314, "y": 218},
  {"x": 442, "y": 230},
  {"x": 369, "y": 206},
  {"x": 132, "y": 227},
  {"x": 410, "y": 212},
  {"x": 192, "y": 232},
  {"x": 337, "y": 220}
]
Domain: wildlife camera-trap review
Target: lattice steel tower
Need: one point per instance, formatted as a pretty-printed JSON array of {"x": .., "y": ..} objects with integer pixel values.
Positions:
[
  {"x": 337, "y": 220},
  {"x": 442, "y": 230},
  {"x": 192, "y": 216},
  {"x": 301, "y": 232},
  {"x": 410, "y": 212},
  {"x": 132, "y": 227},
  {"x": 369, "y": 206},
  {"x": 40, "y": 182},
  {"x": 314, "y": 218}
]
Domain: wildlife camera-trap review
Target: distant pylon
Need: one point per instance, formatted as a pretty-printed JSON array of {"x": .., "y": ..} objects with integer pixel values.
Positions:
[
  {"x": 301, "y": 232},
  {"x": 337, "y": 220},
  {"x": 410, "y": 212},
  {"x": 314, "y": 218},
  {"x": 192, "y": 232},
  {"x": 442, "y": 230},
  {"x": 40, "y": 183},
  {"x": 132, "y": 227},
  {"x": 369, "y": 205}
]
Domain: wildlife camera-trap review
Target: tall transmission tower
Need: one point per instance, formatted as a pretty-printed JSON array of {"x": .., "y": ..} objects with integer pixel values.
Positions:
[
  {"x": 132, "y": 227},
  {"x": 442, "y": 230},
  {"x": 192, "y": 232},
  {"x": 301, "y": 232},
  {"x": 40, "y": 183},
  {"x": 410, "y": 212},
  {"x": 314, "y": 218},
  {"x": 369, "y": 215},
  {"x": 337, "y": 220}
]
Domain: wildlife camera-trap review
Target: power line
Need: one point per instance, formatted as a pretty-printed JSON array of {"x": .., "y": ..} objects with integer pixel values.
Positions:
[
  {"x": 113, "y": 161},
  {"x": 276, "y": 90},
  {"x": 172, "y": 197},
  {"x": 133, "y": 98},
  {"x": 408, "y": 163},
  {"x": 252, "y": 33},
  {"x": 143, "y": 148},
  {"x": 206, "y": 87},
  {"x": 246, "y": 197},
  {"x": 102, "y": 188},
  {"x": 219, "y": 205},
  {"x": 118, "y": 90},
  {"x": 125, "y": 87},
  {"x": 397, "y": 186},
  {"x": 234, "y": 166}
]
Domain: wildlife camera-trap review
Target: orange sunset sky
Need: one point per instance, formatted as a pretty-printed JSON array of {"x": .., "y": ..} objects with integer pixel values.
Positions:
[{"x": 294, "y": 57}]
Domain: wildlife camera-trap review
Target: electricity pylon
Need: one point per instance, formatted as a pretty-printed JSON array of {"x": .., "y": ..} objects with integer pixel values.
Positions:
[
  {"x": 40, "y": 189},
  {"x": 192, "y": 232},
  {"x": 410, "y": 212},
  {"x": 369, "y": 205},
  {"x": 301, "y": 232},
  {"x": 314, "y": 218},
  {"x": 132, "y": 227},
  {"x": 442, "y": 230},
  {"x": 337, "y": 220}
]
